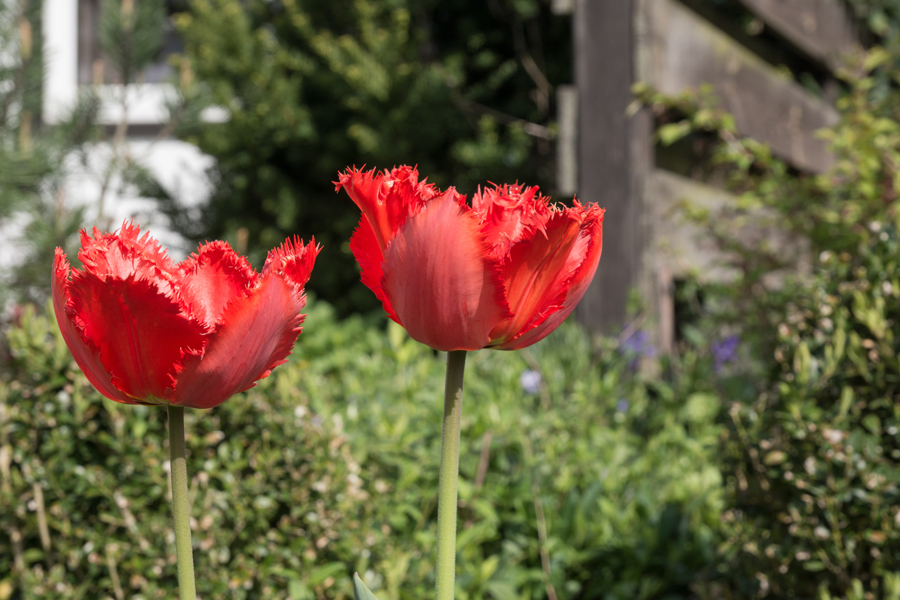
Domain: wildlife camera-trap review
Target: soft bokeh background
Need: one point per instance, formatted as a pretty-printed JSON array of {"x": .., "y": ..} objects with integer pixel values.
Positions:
[{"x": 756, "y": 456}]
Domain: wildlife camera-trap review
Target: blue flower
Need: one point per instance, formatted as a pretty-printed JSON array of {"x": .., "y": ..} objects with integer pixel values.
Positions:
[
  {"x": 724, "y": 351},
  {"x": 637, "y": 345}
]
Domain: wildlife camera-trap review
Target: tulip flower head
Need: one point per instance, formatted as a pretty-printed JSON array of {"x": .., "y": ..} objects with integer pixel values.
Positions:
[
  {"x": 502, "y": 273},
  {"x": 148, "y": 331}
]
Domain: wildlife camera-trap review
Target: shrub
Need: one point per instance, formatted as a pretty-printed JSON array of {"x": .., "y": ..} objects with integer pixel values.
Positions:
[
  {"x": 810, "y": 464},
  {"x": 819, "y": 501},
  {"x": 600, "y": 485}
]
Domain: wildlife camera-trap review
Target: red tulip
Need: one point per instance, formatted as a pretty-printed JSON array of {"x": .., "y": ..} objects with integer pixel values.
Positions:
[
  {"x": 147, "y": 331},
  {"x": 502, "y": 273}
]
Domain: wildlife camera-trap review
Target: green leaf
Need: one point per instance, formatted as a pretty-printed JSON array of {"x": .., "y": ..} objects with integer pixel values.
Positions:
[
  {"x": 299, "y": 591},
  {"x": 802, "y": 363},
  {"x": 360, "y": 591},
  {"x": 845, "y": 402},
  {"x": 672, "y": 132},
  {"x": 322, "y": 573},
  {"x": 774, "y": 457},
  {"x": 872, "y": 423}
]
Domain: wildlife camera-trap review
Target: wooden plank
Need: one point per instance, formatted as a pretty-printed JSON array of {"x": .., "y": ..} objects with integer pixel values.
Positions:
[
  {"x": 664, "y": 308},
  {"x": 679, "y": 246},
  {"x": 567, "y": 140},
  {"x": 823, "y": 29},
  {"x": 614, "y": 154},
  {"x": 684, "y": 249},
  {"x": 562, "y": 7},
  {"x": 678, "y": 50}
]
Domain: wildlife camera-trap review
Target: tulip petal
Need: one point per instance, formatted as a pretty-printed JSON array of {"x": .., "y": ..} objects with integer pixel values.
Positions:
[
  {"x": 387, "y": 198},
  {"x": 125, "y": 254},
  {"x": 293, "y": 262},
  {"x": 141, "y": 333},
  {"x": 85, "y": 352},
  {"x": 256, "y": 335},
  {"x": 368, "y": 254},
  {"x": 439, "y": 279},
  {"x": 548, "y": 275},
  {"x": 510, "y": 213},
  {"x": 213, "y": 278}
]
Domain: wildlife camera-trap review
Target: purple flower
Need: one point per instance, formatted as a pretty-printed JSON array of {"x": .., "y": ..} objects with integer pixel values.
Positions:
[
  {"x": 637, "y": 345},
  {"x": 724, "y": 351}
]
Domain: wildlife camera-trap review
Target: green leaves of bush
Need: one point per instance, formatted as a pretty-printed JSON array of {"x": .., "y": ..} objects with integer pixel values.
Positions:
[{"x": 602, "y": 485}]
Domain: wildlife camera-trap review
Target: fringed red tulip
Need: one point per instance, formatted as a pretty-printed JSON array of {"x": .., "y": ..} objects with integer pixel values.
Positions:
[
  {"x": 502, "y": 273},
  {"x": 148, "y": 331}
]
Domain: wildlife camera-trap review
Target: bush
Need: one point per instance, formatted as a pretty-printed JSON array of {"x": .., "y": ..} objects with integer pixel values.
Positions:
[
  {"x": 819, "y": 497},
  {"x": 810, "y": 463},
  {"x": 600, "y": 485}
]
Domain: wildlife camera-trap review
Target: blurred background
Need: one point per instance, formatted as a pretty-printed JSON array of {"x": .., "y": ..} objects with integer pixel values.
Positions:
[{"x": 719, "y": 421}]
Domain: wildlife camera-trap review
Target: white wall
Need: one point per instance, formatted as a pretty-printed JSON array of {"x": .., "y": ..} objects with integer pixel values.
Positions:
[{"x": 180, "y": 167}]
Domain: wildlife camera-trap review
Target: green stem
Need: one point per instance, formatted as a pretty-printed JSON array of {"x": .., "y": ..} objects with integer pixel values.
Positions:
[
  {"x": 448, "y": 483},
  {"x": 184, "y": 553}
]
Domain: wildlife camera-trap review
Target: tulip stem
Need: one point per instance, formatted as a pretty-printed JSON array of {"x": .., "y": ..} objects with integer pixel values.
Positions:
[
  {"x": 448, "y": 482},
  {"x": 184, "y": 553}
]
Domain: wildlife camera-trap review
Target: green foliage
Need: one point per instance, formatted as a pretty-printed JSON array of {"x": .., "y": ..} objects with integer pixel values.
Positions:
[
  {"x": 131, "y": 34},
  {"x": 360, "y": 591},
  {"x": 881, "y": 17},
  {"x": 602, "y": 485},
  {"x": 463, "y": 90},
  {"x": 818, "y": 484},
  {"x": 811, "y": 463}
]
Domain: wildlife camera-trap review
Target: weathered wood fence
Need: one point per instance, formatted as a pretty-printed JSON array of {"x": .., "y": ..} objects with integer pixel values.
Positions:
[{"x": 669, "y": 46}]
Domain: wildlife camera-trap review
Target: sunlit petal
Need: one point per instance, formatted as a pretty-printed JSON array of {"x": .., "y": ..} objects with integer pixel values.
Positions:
[
  {"x": 140, "y": 332},
  {"x": 293, "y": 262},
  {"x": 387, "y": 198},
  {"x": 86, "y": 354},
  {"x": 126, "y": 253},
  {"x": 510, "y": 213},
  {"x": 256, "y": 335},
  {"x": 368, "y": 254},
  {"x": 213, "y": 278},
  {"x": 559, "y": 295},
  {"x": 439, "y": 280}
]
